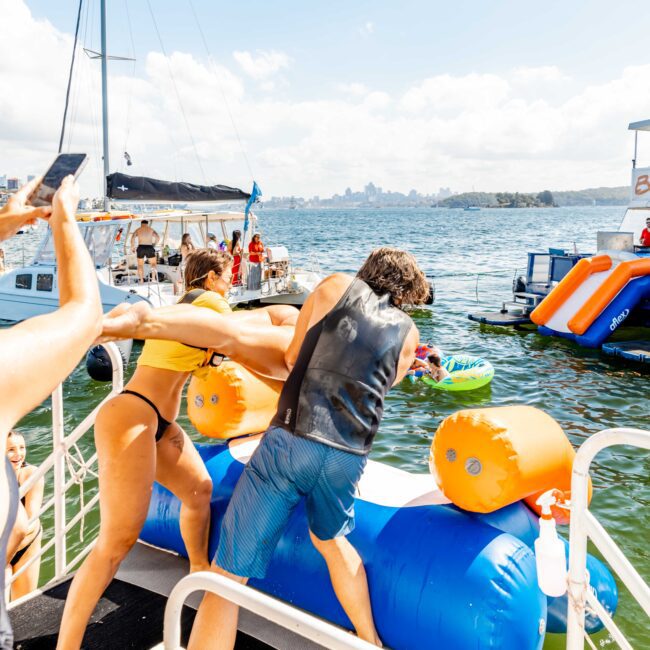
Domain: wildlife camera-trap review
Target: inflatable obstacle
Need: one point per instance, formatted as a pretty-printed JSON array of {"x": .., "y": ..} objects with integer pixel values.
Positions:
[
  {"x": 439, "y": 576},
  {"x": 230, "y": 400},
  {"x": 595, "y": 297}
]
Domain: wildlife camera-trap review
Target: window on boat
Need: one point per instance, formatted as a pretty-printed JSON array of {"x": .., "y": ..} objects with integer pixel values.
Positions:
[
  {"x": 44, "y": 282},
  {"x": 99, "y": 238},
  {"x": 24, "y": 281}
]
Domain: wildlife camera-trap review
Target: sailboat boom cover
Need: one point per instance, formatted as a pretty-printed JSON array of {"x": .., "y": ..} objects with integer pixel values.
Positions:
[{"x": 140, "y": 188}]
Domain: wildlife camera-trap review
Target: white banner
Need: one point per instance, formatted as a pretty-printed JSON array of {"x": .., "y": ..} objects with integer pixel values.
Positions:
[{"x": 640, "y": 186}]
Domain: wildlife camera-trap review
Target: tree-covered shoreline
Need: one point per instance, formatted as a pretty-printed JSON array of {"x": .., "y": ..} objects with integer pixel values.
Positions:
[{"x": 544, "y": 199}]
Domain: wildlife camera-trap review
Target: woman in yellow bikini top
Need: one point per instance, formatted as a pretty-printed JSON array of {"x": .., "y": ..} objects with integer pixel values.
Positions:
[
  {"x": 171, "y": 355},
  {"x": 138, "y": 441}
]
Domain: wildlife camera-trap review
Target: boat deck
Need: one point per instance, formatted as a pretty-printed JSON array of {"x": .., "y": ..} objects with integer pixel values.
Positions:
[
  {"x": 130, "y": 613},
  {"x": 629, "y": 350}
]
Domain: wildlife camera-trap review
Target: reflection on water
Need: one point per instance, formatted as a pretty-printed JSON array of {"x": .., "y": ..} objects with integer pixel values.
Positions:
[{"x": 473, "y": 258}]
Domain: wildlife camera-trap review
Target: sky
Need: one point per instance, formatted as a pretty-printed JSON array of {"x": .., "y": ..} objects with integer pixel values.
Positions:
[{"x": 309, "y": 98}]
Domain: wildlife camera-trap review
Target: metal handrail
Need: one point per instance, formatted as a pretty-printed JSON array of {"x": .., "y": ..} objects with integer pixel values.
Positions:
[
  {"x": 56, "y": 461},
  {"x": 291, "y": 618},
  {"x": 583, "y": 526}
]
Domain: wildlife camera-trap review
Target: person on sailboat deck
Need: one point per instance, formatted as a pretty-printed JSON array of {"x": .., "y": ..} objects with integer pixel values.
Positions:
[
  {"x": 235, "y": 249},
  {"x": 138, "y": 440},
  {"x": 352, "y": 343},
  {"x": 256, "y": 250},
  {"x": 187, "y": 246},
  {"x": 25, "y": 540},
  {"x": 39, "y": 352},
  {"x": 147, "y": 239},
  {"x": 212, "y": 242}
]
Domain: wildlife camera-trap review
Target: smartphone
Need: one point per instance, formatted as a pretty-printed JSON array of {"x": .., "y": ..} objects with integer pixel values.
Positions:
[{"x": 64, "y": 165}]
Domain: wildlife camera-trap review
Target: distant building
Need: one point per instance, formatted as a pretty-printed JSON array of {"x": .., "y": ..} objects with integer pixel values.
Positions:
[
  {"x": 3, "y": 182},
  {"x": 13, "y": 183},
  {"x": 30, "y": 178}
]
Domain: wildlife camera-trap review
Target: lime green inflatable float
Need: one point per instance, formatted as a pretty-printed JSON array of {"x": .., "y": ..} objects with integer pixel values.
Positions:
[{"x": 465, "y": 373}]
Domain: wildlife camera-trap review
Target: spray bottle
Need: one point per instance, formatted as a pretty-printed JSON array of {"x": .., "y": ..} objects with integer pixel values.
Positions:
[{"x": 550, "y": 556}]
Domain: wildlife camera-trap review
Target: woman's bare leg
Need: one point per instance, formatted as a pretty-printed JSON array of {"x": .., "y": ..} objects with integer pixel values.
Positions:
[
  {"x": 27, "y": 581},
  {"x": 180, "y": 469},
  {"x": 124, "y": 437}
]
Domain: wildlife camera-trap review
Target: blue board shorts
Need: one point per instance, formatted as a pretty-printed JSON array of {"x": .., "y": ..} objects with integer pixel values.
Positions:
[{"x": 283, "y": 470}]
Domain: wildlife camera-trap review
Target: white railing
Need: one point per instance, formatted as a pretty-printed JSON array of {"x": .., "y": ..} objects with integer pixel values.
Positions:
[
  {"x": 57, "y": 461},
  {"x": 291, "y": 618},
  {"x": 583, "y": 526}
]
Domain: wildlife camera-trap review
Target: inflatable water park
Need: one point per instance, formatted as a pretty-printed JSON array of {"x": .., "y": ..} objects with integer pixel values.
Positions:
[
  {"x": 587, "y": 298},
  {"x": 455, "y": 558}
]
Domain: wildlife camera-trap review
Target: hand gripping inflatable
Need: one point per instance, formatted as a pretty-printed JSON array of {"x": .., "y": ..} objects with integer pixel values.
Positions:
[
  {"x": 438, "y": 577},
  {"x": 230, "y": 401},
  {"x": 485, "y": 459}
]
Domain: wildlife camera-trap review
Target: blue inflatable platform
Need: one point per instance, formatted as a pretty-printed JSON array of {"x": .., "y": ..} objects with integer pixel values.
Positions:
[{"x": 438, "y": 576}]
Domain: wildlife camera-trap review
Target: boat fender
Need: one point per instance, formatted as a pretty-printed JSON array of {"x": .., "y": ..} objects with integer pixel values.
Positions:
[
  {"x": 98, "y": 363},
  {"x": 230, "y": 400},
  {"x": 484, "y": 459}
]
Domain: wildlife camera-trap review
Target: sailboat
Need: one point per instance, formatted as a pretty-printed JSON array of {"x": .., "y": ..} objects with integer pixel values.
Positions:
[{"x": 31, "y": 290}]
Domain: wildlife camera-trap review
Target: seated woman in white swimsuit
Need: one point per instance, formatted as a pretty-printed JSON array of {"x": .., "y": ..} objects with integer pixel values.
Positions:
[{"x": 138, "y": 441}]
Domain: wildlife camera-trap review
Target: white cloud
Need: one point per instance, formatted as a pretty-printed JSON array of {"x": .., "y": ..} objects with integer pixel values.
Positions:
[
  {"x": 490, "y": 131},
  {"x": 354, "y": 89},
  {"x": 367, "y": 29},
  {"x": 262, "y": 64},
  {"x": 539, "y": 74}
]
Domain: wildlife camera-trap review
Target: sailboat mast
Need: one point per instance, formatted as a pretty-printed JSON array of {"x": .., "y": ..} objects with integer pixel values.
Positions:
[{"x": 107, "y": 203}]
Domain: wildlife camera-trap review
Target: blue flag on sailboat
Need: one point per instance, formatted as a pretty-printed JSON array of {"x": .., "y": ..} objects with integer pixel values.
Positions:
[{"x": 255, "y": 196}]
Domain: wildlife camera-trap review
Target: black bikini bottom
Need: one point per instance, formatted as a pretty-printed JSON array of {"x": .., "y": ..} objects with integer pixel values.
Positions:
[
  {"x": 19, "y": 554},
  {"x": 162, "y": 423}
]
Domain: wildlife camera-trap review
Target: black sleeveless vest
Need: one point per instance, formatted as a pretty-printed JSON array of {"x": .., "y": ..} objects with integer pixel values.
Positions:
[{"x": 347, "y": 362}]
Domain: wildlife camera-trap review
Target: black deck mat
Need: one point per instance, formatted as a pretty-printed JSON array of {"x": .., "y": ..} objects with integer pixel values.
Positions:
[{"x": 127, "y": 617}]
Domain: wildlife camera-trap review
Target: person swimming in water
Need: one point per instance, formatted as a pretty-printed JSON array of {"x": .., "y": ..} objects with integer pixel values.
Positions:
[
  {"x": 25, "y": 539},
  {"x": 138, "y": 441},
  {"x": 428, "y": 361}
]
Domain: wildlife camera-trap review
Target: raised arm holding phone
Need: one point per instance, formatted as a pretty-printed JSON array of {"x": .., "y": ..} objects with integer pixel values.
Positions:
[{"x": 40, "y": 352}]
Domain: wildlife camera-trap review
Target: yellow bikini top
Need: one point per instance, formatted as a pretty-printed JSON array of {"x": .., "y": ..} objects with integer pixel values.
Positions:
[{"x": 171, "y": 355}]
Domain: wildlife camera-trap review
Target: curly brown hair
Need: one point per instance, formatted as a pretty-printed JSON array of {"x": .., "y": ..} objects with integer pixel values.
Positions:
[
  {"x": 200, "y": 262},
  {"x": 396, "y": 272}
]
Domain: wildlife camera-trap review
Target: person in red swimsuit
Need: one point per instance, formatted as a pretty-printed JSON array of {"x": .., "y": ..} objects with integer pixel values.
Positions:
[
  {"x": 256, "y": 250},
  {"x": 645, "y": 234},
  {"x": 234, "y": 248}
]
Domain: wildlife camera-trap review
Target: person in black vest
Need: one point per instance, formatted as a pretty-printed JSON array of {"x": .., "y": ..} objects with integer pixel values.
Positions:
[{"x": 352, "y": 343}]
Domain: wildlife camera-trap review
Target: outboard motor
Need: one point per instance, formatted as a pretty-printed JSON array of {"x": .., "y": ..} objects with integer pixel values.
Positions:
[
  {"x": 519, "y": 284},
  {"x": 98, "y": 363}
]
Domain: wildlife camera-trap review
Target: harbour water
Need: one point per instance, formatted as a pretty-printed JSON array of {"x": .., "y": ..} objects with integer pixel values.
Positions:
[{"x": 472, "y": 258}]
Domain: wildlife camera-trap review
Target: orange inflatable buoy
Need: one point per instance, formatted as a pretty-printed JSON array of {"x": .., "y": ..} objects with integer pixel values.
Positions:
[
  {"x": 485, "y": 459},
  {"x": 230, "y": 401}
]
